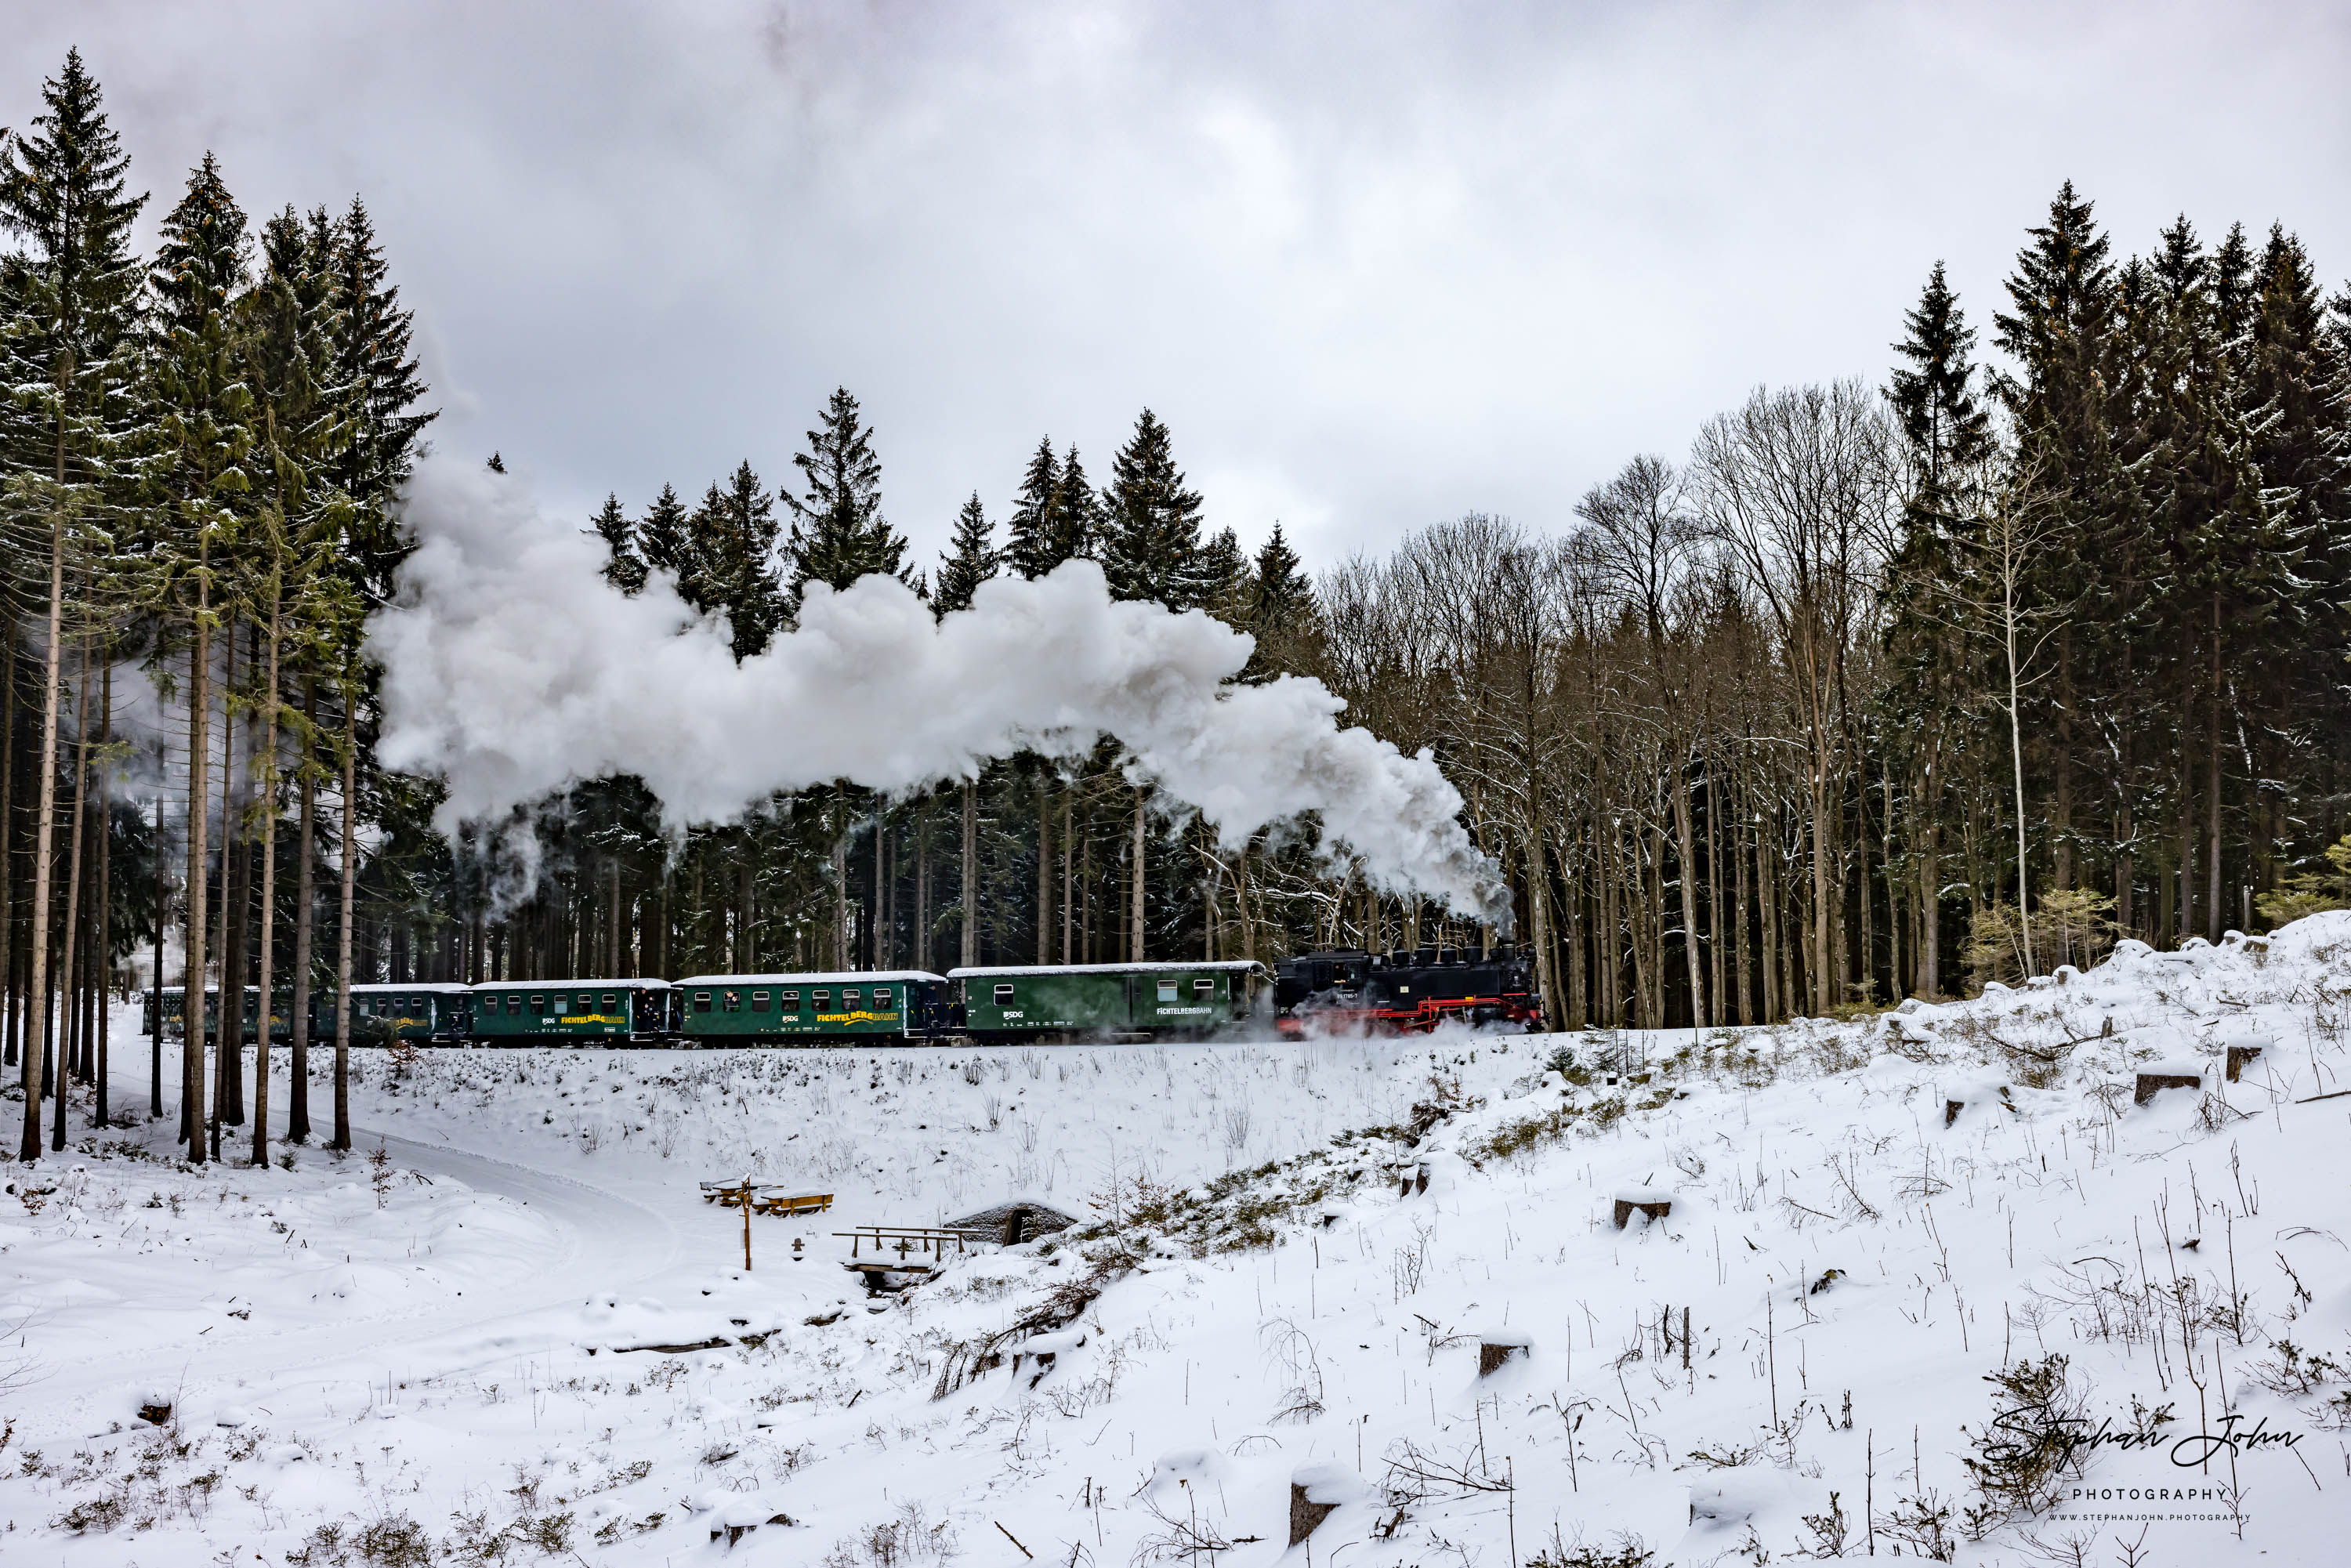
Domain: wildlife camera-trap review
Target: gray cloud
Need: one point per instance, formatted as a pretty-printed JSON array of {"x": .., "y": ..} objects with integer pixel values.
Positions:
[{"x": 1374, "y": 264}]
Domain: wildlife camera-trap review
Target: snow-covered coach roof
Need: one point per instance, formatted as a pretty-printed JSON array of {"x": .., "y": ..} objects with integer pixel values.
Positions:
[
  {"x": 562, "y": 985},
  {"x": 854, "y": 976},
  {"x": 445, "y": 988},
  {"x": 1234, "y": 965}
]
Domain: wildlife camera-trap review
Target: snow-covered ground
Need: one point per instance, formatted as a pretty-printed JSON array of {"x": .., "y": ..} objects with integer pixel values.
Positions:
[{"x": 434, "y": 1355}]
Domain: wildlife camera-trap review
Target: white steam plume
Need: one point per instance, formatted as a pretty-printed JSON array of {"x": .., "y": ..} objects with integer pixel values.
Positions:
[{"x": 511, "y": 669}]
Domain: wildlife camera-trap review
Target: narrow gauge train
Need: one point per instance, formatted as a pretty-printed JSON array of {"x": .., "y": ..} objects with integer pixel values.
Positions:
[
  {"x": 1350, "y": 991},
  {"x": 1344, "y": 991}
]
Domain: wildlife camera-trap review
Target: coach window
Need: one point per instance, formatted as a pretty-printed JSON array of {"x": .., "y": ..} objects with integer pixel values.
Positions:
[
  {"x": 702, "y": 1001},
  {"x": 730, "y": 1002},
  {"x": 514, "y": 1004},
  {"x": 1167, "y": 990},
  {"x": 822, "y": 1000},
  {"x": 1004, "y": 996},
  {"x": 787, "y": 1001},
  {"x": 758, "y": 1001},
  {"x": 1204, "y": 987},
  {"x": 611, "y": 1000},
  {"x": 848, "y": 1000},
  {"x": 881, "y": 997}
]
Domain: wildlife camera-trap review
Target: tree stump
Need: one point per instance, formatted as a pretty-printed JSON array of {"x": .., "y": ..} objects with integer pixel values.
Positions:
[
  {"x": 2239, "y": 1055},
  {"x": 1305, "y": 1513},
  {"x": 1648, "y": 1205},
  {"x": 1493, "y": 1355},
  {"x": 1951, "y": 1109},
  {"x": 156, "y": 1412},
  {"x": 2163, "y": 1075}
]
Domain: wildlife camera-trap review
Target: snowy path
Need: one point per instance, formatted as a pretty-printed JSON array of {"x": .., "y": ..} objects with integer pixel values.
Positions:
[{"x": 571, "y": 1238}]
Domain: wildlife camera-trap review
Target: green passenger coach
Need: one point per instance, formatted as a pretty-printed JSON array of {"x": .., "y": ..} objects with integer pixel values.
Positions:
[
  {"x": 1106, "y": 998},
  {"x": 724, "y": 1008},
  {"x": 419, "y": 1012},
  {"x": 557, "y": 1011}
]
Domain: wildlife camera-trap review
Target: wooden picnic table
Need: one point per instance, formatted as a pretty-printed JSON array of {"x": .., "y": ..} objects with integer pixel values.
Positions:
[{"x": 766, "y": 1199}]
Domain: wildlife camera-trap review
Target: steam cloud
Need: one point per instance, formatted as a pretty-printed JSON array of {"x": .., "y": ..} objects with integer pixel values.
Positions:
[{"x": 512, "y": 668}]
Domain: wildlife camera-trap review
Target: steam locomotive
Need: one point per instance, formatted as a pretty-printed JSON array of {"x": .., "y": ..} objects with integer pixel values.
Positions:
[{"x": 1351, "y": 991}]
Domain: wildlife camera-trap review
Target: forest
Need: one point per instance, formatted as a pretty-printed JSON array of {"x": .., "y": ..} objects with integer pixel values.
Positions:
[{"x": 1951, "y": 672}]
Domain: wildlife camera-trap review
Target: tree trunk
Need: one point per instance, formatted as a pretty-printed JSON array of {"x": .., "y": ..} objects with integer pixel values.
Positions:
[
  {"x": 2213, "y": 915},
  {"x": 102, "y": 1112},
  {"x": 350, "y": 882},
  {"x": 970, "y": 890},
  {"x": 1044, "y": 873},
  {"x": 1686, "y": 844},
  {"x": 306, "y": 897},
  {"x": 70, "y": 1031},
  {"x": 1068, "y": 817},
  {"x": 8, "y": 888},
  {"x": 267, "y": 946},
  {"x": 45, "y": 822},
  {"x": 1134, "y": 937}
]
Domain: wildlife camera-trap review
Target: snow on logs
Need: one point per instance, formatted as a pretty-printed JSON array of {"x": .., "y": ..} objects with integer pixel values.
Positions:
[
  {"x": 1496, "y": 1351},
  {"x": 1316, "y": 1492},
  {"x": 2242, "y": 1051},
  {"x": 1648, "y": 1202},
  {"x": 2180, "y": 1073}
]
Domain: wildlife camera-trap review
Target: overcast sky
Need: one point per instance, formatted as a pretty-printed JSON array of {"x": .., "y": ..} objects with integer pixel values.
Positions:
[{"x": 1373, "y": 264}]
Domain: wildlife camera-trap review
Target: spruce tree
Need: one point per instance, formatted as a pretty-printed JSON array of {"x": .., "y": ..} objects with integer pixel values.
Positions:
[
  {"x": 1947, "y": 434},
  {"x": 1029, "y": 532},
  {"x": 1281, "y": 613},
  {"x": 379, "y": 373},
  {"x": 67, "y": 296},
  {"x": 1076, "y": 526},
  {"x": 204, "y": 408},
  {"x": 623, "y": 568},
  {"x": 661, "y": 537},
  {"x": 2061, "y": 335},
  {"x": 971, "y": 559},
  {"x": 839, "y": 533},
  {"x": 730, "y": 561},
  {"x": 1151, "y": 547},
  {"x": 1223, "y": 577}
]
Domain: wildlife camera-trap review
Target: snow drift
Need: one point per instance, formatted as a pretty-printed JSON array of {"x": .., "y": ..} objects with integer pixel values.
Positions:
[{"x": 512, "y": 668}]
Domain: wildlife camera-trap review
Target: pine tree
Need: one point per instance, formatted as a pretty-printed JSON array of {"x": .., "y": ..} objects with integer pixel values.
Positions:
[
  {"x": 839, "y": 533},
  {"x": 971, "y": 559},
  {"x": 69, "y": 297},
  {"x": 1281, "y": 613},
  {"x": 1076, "y": 522},
  {"x": 1223, "y": 577},
  {"x": 1932, "y": 679},
  {"x": 660, "y": 538},
  {"x": 1028, "y": 545},
  {"x": 379, "y": 375},
  {"x": 730, "y": 561},
  {"x": 288, "y": 330},
  {"x": 205, "y": 421},
  {"x": 1151, "y": 544},
  {"x": 2061, "y": 336},
  {"x": 623, "y": 568}
]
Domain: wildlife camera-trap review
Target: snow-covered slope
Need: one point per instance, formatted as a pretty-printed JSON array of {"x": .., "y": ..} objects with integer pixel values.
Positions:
[{"x": 1385, "y": 1277}]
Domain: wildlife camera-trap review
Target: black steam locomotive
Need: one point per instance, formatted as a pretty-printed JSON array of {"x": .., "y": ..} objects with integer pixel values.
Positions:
[{"x": 1350, "y": 991}]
